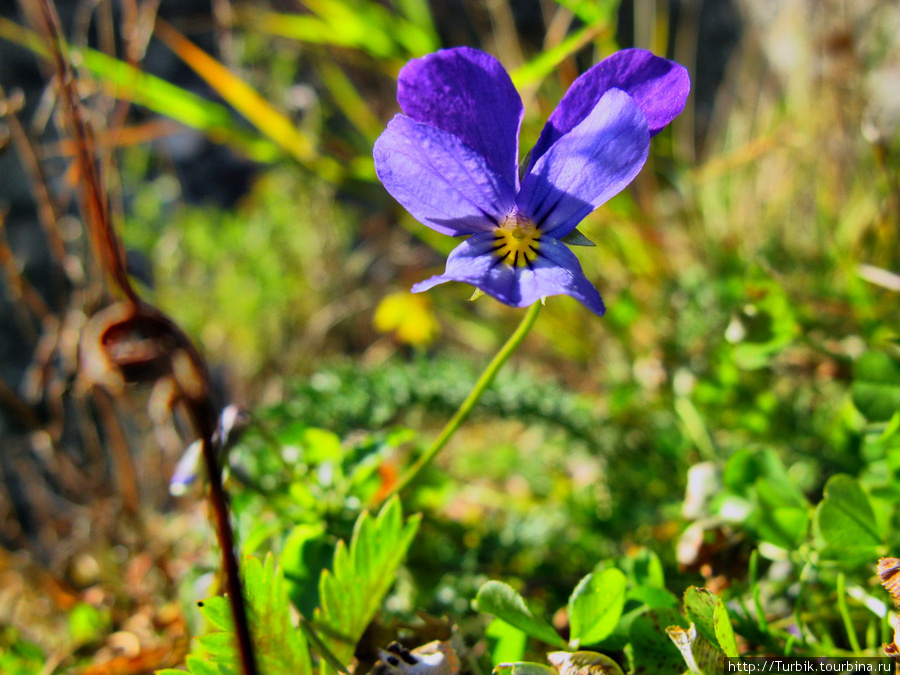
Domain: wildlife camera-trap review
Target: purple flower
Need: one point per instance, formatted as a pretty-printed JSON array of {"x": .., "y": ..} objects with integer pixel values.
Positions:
[{"x": 452, "y": 161}]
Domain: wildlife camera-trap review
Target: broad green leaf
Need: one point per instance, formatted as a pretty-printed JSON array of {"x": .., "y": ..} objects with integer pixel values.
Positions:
[
  {"x": 583, "y": 663},
  {"x": 508, "y": 642},
  {"x": 844, "y": 518},
  {"x": 783, "y": 514},
  {"x": 502, "y": 601},
  {"x": 523, "y": 668},
  {"x": 362, "y": 573},
  {"x": 596, "y": 605},
  {"x": 650, "y": 651},
  {"x": 644, "y": 568},
  {"x": 652, "y": 597},
  {"x": 876, "y": 386},
  {"x": 709, "y": 614},
  {"x": 725, "y": 631}
]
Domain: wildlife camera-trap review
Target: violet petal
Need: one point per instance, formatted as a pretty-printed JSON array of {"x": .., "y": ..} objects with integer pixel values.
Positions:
[
  {"x": 555, "y": 271},
  {"x": 467, "y": 93},
  {"x": 441, "y": 181},
  {"x": 586, "y": 166},
  {"x": 659, "y": 86}
]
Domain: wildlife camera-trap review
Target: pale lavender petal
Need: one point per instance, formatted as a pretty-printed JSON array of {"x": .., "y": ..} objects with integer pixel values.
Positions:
[
  {"x": 467, "y": 93},
  {"x": 556, "y": 271},
  {"x": 659, "y": 86},
  {"x": 441, "y": 181},
  {"x": 587, "y": 166}
]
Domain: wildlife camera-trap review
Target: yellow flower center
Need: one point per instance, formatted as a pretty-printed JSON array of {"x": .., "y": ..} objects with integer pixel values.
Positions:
[{"x": 516, "y": 240}]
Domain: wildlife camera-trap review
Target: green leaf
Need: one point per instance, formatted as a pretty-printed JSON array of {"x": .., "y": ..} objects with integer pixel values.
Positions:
[
  {"x": 783, "y": 516},
  {"x": 652, "y": 597},
  {"x": 709, "y": 614},
  {"x": 845, "y": 519},
  {"x": 507, "y": 642},
  {"x": 700, "y": 656},
  {"x": 87, "y": 624},
  {"x": 876, "y": 386},
  {"x": 305, "y": 554},
  {"x": 644, "y": 568},
  {"x": 583, "y": 663},
  {"x": 361, "y": 575},
  {"x": 650, "y": 651},
  {"x": 523, "y": 668},
  {"x": 596, "y": 605},
  {"x": 280, "y": 648},
  {"x": 502, "y": 601}
]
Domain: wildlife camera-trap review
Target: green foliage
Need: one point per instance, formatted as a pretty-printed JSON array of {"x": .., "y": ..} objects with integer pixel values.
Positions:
[
  {"x": 18, "y": 656},
  {"x": 707, "y": 611},
  {"x": 345, "y": 396},
  {"x": 280, "y": 646},
  {"x": 846, "y": 521},
  {"x": 351, "y": 593},
  {"x": 876, "y": 386},
  {"x": 595, "y": 606},
  {"x": 361, "y": 575},
  {"x": 649, "y": 649},
  {"x": 503, "y": 602}
]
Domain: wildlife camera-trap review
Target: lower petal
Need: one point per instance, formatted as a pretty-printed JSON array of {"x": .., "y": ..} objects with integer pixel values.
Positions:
[{"x": 556, "y": 271}]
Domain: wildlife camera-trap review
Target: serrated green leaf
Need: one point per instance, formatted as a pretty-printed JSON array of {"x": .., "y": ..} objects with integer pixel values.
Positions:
[
  {"x": 502, "y": 601},
  {"x": 844, "y": 518},
  {"x": 280, "y": 648},
  {"x": 595, "y": 606},
  {"x": 361, "y": 576},
  {"x": 217, "y": 611},
  {"x": 197, "y": 666}
]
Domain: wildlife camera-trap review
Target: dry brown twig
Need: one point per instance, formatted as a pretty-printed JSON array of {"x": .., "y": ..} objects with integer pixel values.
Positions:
[{"x": 131, "y": 342}]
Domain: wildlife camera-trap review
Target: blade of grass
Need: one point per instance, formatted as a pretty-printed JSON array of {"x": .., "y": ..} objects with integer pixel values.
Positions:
[
  {"x": 366, "y": 26},
  {"x": 129, "y": 83},
  {"x": 247, "y": 101},
  {"x": 347, "y": 98},
  {"x": 533, "y": 73}
]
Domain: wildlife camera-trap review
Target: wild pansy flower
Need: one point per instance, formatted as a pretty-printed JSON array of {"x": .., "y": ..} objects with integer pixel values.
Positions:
[{"x": 451, "y": 159}]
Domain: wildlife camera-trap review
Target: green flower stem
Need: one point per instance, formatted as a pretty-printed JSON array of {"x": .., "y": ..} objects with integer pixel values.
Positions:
[{"x": 462, "y": 414}]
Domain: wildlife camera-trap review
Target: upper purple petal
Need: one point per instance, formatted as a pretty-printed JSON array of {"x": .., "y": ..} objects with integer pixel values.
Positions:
[
  {"x": 659, "y": 86},
  {"x": 440, "y": 180},
  {"x": 555, "y": 271},
  {"x": 467, "y": 93},
  {"x": 586, "y": 166}
]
